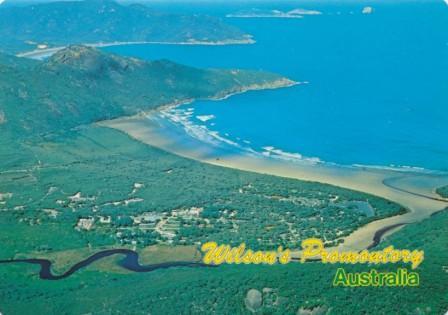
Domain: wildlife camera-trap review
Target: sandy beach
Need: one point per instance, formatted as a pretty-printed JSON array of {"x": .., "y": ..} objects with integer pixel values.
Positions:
[
  {"x": 44, "y": 53},
  {"x": 410, "y": 188}
]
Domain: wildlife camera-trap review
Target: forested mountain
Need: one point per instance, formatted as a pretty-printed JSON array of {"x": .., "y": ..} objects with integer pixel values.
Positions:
[
  {"x": 81, "y": 85},
  {"x": 77, "y": 22}
]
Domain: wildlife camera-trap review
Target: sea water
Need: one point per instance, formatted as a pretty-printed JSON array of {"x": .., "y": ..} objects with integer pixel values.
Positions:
[{"x": 377, "y": 84}]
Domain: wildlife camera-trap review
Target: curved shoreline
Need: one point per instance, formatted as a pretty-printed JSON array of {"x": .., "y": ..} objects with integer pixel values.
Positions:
[
  {"x": 409, "y": 193},
  {"x": 387, "y": 184},
  {"x": 46, "y": 52},
  {"x": 130, "y": 262}
]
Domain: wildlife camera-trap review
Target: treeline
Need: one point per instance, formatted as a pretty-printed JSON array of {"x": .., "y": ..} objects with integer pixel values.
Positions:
[
  {"x": 92, "y": 173},
  {"x": 285, "y": 289}
]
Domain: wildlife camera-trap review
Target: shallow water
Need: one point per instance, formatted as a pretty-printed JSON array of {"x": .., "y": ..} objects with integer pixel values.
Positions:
[{"x": 378, "y": 83}]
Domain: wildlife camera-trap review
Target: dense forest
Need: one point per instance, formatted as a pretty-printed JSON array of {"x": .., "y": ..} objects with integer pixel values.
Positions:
[
  {"x": 284, "y": 289},
  {"x": 69, "y": 188},
  {"x": 44, "y": 25},
  {"x": 80, "y": 85},
  {"x": 98, "y": 187}
]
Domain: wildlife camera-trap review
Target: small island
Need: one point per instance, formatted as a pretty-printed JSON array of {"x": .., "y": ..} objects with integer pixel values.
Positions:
[
  {"x": 258, "y": 13},
  {"x": 108, "y": 190}
]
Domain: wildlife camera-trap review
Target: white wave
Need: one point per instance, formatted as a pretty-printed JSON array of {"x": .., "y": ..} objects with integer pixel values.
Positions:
[
  {"x": 183, "y": 118},
  {"x": 270, "y": 151},
  {"x": 446, "y": 1},
  {"x": 200, "y": 132},
  {"x": 216, "y": 135},
  {"x": 392, "y": 167},
  {"x": 205, "y": 118}
]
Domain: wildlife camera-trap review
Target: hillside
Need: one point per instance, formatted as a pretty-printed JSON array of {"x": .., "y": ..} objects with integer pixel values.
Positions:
[
  {"x": 54, "y": 159},
  {"x": 80, "y": 85},
  {"x": 39, "y": 219},
  {"x": 76, "y": 22}
]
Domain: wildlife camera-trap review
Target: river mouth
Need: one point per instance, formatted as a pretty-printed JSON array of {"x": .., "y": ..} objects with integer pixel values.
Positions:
[
  {"x": 411, "y": 188},
  {"x": 393, "y": 185},
  {"x": 130, "y": 262}
]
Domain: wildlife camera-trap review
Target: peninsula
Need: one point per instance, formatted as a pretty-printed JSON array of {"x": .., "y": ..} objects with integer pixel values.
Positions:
[
  {"x": 53, "y": 93},
  {"x": 103, "y": 211},
  {"x": 48, "y": 25}
]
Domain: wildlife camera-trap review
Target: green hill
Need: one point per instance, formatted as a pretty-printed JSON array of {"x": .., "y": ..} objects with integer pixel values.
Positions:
[
  {"x": 78, "y": 22},
  {"x": 51, "y": 153},
  {"x": 80, "y": 85}
]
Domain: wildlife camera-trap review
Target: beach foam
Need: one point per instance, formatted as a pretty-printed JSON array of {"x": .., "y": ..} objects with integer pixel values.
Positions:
[
  {"x": 272, "y": 152},
  {"x": 411, "y": 189},
  {"x": 184, "y": 118},
  {"x": 205, "y": 118}
]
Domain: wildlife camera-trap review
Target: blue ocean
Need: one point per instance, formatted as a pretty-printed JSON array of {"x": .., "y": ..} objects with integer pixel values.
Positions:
[{"x": 377, "y": 82}]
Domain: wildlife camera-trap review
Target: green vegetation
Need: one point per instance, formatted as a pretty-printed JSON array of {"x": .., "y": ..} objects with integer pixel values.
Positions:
[
  {"x": 81, "y": 85},
  {"x": 97, "y": 187},
  {"x": 285, "y": 289},
  {"x": 443, "y": 191},
  {"x": 69, "y": 188},
  {"x": 93, "y": 186},
  {"x": 77, "y": 22}
]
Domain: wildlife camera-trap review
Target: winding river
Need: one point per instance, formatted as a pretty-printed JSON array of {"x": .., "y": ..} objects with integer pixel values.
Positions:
[
  {"x": 366, "y": 237},
  {"x": 411, "y": 188},
  {"x": 129, "y": 262}
]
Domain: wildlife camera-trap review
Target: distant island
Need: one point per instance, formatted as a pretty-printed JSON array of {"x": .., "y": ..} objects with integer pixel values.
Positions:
[
  {"x": 108, "y": 189},
  {"x": 258, "y": 13},
  {"x": 48, "y": 25}
]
